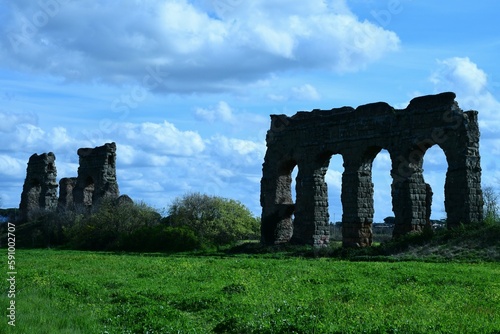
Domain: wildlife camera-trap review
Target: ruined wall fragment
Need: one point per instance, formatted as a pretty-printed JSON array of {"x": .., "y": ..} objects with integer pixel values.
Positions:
[
  {"x": 96, "y": 176},
  {"x": 40, "y": 186},
  {"x": 307, "y": 140}
]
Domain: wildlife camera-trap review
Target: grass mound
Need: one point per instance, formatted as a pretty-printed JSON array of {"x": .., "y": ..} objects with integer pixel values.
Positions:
[
  {"x": 467, "y": 243},
  {"x": 471, "y": 243}
]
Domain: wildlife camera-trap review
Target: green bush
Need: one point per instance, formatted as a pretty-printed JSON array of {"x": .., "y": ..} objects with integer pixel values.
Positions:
[
  {"x": 44, "y": 230},
  {"x": 215, "y": 220},
  {"x": 160, "y": 239},
  {"x": 105, "y": 229}
]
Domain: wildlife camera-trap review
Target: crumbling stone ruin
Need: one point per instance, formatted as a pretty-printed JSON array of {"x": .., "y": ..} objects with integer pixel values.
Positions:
[
  {"x": 40, "y": 186},
  {"x": 96, "y": 180},
  {"x": 308, "y": 140}
]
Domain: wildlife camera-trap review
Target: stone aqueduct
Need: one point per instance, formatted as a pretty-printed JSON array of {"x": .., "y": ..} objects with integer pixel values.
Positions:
[{"x": 309, "y": 139}]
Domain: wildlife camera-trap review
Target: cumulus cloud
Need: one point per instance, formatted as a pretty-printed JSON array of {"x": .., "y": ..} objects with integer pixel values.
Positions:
[
  {"x": 9, "y": 121},
  {"x": 460, "y": 74},
  {"x": 197, "y": 48},
  {"x": 10, "y": 166},
  {"x": 464, "y": 77},
  {"x": 23, "y": 135},
  {"x": 162, "y": 138},
  {"x": 237, "y": 152},
  {"x": 225, "y": 166},
  {"x": 222, "y": 112}
]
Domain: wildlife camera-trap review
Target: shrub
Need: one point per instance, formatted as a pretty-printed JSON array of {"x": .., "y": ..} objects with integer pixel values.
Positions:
[
  {"x": 160, "y": 239},
  {"x": 44, "y": 229},
  {"x": 106, "y": 228},
  {"x": 215, "y": 220}
]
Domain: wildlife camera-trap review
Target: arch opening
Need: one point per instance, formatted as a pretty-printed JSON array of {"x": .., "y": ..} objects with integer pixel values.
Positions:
[
  {"x": 333, "y": 180},
  {"x": 434, "y": 170},
  {"x": 383, "y": 216},
  {"x": 285, "y": 192}
]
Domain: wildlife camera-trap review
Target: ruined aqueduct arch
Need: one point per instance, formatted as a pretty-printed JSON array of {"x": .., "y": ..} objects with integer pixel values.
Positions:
[{"x": 309, "y": 139}]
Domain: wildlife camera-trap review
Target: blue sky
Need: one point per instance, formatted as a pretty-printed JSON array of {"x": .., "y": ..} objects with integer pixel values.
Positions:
[{"x": 185, "y": 88}]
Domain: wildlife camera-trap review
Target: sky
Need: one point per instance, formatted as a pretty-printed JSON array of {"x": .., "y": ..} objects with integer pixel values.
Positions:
[{"x": 185, "y": 87}]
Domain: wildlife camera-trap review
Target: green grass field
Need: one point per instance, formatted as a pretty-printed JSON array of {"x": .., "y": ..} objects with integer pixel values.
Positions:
[{"x": 84, "y": 292}]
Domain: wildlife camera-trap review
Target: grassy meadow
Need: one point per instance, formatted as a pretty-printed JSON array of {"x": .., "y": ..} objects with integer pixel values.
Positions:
[{"x": 62, "y": 291}]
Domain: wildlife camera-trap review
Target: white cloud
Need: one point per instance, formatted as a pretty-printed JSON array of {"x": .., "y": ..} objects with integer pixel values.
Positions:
[
  {"x": 9, "y": 121},
  {"x": 470, "y": 83},
  {"x": 280, "y": 43},
  {"x": 222, "y": 112},
  {"x": 161, "y": 138},
  {"x": 12, "y": 167},
  {"x": 382, "y": 161},
  {"x": 237, "y": 152},
  {"x": 27, "y": 137},
  {"x": 305, "y": 92},
  {"x": 193, "y": 49},
  {"x": 461, "y": 75},
  {"x": 334, "y": 179}
]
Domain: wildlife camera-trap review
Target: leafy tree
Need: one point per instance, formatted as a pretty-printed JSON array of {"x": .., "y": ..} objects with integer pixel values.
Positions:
[
  {"x": 389, "y": 220},
  {"x": 216, "y": 220},
  {"x": 491, "y": 207}
]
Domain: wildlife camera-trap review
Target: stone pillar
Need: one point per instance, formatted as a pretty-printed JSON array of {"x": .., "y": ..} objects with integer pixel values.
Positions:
[
  {"x": 40, "y": 186},
  {"x": 357, "y": 203},
  {"x": 463, "y": 193},
  {"x": 277, "y": 203},
  {"x": 409, "y": 197},
  {"x": 311, "y": 224}
]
